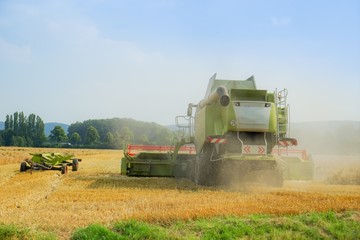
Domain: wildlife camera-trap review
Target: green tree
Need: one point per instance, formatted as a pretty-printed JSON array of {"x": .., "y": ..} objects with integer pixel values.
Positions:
[
  {"x": 23, "y": 131},
  {"x": 8, "y": 137},
  {"x": 118, "y": 140},
  {"x": 2, "y": 143},
  {"x": 16, "y": 123},
  {"x": 18, "y": 141},
  {"x": 92, "y": 135},
  {"x": 75, "y": 138},
  {"x": 110, "y": 139},
  {"x": 22, "y": 124},
  {"x": 11, "y": 122},
  {"x": 124, "y": 130},
  {"x": 7, "y": 122},
  {"x": 144, "y": 139},
  {"x": 39, "y": 134},
  {"x": 58, "y": 134},
  {"x": 30, "y": 126},
  {"x": 127, "y": 136},
  {"x": 164, "y": 136}
]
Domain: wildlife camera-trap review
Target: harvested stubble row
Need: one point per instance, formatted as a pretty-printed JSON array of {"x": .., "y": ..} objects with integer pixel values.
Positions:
[{"x": 98, "y": 194}]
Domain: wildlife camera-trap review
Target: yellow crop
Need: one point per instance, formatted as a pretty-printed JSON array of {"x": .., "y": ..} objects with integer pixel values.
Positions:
[{"x": 98, "y": 194}]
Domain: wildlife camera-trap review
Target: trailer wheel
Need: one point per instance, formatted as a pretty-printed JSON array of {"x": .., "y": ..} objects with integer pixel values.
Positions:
[
  {"x": 75, "y": 164},
  {"x": 64, "y": 168},
  {"x": 23, "y": 167}
]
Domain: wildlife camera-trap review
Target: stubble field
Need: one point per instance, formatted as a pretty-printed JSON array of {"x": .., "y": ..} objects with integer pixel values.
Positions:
[{"x": 52, "y": 202}]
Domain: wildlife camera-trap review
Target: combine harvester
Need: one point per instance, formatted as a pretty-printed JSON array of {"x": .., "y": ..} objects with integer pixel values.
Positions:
[
  {"x": 238, "y": 133},
  {"x": 50, "y": 161}
]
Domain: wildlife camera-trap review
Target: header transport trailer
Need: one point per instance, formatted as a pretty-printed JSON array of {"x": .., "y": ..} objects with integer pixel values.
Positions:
[
  {"x": 50, "y": 161},
  {"x": 232, "y": 135}
]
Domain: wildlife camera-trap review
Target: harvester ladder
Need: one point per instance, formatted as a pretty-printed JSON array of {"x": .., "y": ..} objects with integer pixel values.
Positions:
[
  {"x": 282, "y": 113},
  {"x": 282, "y": 116}
]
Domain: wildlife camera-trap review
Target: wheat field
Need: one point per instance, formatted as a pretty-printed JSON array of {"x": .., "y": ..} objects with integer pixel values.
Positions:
[{"x": 97, "y": 193}]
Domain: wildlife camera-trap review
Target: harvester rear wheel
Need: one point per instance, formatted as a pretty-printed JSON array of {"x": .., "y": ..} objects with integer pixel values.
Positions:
[
  {"x": 206, "y": 171},
  {"x": 192, "y": 170},
  {"x": 75, "y": 164},
  {"x": 202, "y": 170},
  {"x": 23, "y": 167}
]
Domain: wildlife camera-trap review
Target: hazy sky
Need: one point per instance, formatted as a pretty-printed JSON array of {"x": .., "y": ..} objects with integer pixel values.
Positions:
[{"x": 70, "y": 60}]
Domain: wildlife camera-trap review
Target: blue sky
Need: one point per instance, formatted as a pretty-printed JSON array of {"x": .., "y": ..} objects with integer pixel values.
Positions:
[{"x": 69, "y": 60}]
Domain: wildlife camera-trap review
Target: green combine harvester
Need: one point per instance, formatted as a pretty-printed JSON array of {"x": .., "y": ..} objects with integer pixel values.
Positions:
[
  {"x": 237, "y": 133},
  {"x": 50, "y": 161}
]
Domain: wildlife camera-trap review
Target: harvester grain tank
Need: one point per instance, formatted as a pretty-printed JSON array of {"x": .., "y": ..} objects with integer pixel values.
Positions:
[{"x": 234, "y": 130}]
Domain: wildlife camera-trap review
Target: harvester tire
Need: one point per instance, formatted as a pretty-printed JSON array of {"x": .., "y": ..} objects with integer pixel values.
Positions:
[
  {"x": 207, "y": 171},
  {"x": 75, "y": 165},
  {"x": 192, "y": 170},
  {"x": 202, "y": 170},
  {"x": 23, "y": 167},
  {"x": 64, "y": 168}
]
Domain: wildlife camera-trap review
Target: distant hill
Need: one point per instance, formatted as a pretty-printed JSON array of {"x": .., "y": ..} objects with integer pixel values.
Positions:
[{"x": 48, "y": 127}]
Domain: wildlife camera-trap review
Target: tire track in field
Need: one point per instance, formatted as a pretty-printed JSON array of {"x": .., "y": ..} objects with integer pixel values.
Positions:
[
  {"x": 7, "y": 172},
  {"x": 25, "y": 189}
]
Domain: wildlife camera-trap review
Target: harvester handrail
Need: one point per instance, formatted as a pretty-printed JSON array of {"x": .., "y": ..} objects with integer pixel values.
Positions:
[{"x": 133, "y": 149}]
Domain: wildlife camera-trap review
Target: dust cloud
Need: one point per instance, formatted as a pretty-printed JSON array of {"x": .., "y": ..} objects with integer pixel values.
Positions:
[
  {"x": 335, "y": 149},
  {"x": 337, "y": 169}
]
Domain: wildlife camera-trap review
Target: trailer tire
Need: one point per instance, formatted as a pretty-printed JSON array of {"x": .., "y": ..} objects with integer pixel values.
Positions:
[
  {"x": 75, "y": 165},
  {"x": 64, "y": 168},
  {"x": 23, "y": 167}
]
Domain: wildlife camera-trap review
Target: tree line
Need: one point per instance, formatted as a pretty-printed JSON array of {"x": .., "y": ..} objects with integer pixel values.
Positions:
[
  {"x": 23, "y": 131},
  {"x": 29, "y": 131},
  {"x": 116, "y": 133}
]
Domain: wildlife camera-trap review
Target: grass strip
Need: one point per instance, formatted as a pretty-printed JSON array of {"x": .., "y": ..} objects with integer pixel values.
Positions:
[{"x": 328, "y": 225}]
